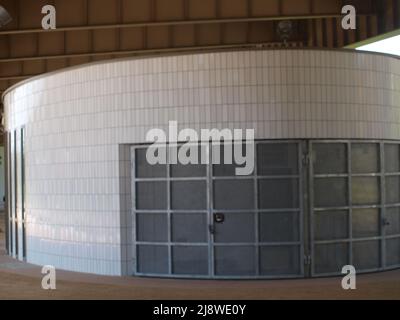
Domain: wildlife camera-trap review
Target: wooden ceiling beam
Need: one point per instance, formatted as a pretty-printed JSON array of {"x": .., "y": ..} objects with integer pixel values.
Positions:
[
  {"x": 143, "y": 52},
  {"x": 176, "y": 23}
]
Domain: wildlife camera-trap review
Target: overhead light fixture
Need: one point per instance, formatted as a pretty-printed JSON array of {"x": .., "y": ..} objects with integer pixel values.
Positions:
[
  {"x": 285, "y": 30},
  {"x": 5, "y": 17}
]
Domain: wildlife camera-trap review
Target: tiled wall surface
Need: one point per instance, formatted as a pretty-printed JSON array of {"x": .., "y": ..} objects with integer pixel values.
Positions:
[{"x": 77, "y": 121}]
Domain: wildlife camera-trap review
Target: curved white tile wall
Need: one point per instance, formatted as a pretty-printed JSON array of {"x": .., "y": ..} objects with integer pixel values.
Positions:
[{"x": 77, "y": 120}]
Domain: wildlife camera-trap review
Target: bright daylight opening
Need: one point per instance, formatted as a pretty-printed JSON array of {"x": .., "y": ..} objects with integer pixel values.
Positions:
[{"x": 390, "y": 46}]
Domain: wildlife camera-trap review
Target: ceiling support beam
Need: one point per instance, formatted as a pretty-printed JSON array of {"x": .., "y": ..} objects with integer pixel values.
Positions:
[
  {"x": 175, "y": 23},
  {"x": 150, "y": 51}
]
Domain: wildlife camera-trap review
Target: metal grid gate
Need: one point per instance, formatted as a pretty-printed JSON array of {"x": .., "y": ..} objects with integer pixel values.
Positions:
[
  {"x": 204, "y": 221},
  {"x": 355, "y": 213},
  {"x": 308, "y": 209}
]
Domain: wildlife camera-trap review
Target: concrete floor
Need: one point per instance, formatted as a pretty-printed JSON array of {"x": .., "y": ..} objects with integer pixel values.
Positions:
[{"x": 23, "y": 281}]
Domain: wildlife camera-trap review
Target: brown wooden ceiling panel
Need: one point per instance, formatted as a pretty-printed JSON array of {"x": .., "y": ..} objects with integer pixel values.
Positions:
[
  {"x": 235, "y": 33},
  {"x": 389, "y": 12},
  {"x": 262, "y": 32},
  {"x": 23, "y": 45},
  {"x": 295, "y": 7},
  {"x": 326, "y": 7},
  {"x": 169, "y": 10},
  {"x": 183, "y": 36},
  {"x": 362, "y": 28},
  {"x": 78, "y": 41},
  {"x": 158, "y": 37},
  {"x": 78, "y": 61},
  {"x": 105, "y": 40},
  {"x": 11, "y": 68},
  {"x": 34, "y": 67},
  {"x": 51, "y": 43},
  {"x": 30, "y": 13},
  {"x": 4, "y": 47},
  {"x": 103, "y": 11},
  {"x": 4, "y": 85},
  {"x": 261, "y": 8},
  {"x": 71, "y": 12},
  {"x": 106, "y": 57},
  {"x": 363, "y": 6},
  {"x": 201, "y": 9},
  {"x": 208, "y": 34},
  {"x": 56, "y": 64},
  {"x": 132, "y": 39},
  {"x": 373, "y": 26},
  {"x": 351, "y": 36},
  {"x": 136, "y": 10},
  {"x": 233, "y": 8}
]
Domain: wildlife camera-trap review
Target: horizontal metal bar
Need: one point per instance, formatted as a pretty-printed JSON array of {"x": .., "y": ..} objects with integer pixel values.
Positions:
[
  {"x": 180, "y": 244},
  {"x": 381, "y": 237},
  {"x": 351, "y": 141},
  {"x": 392, "y": 236},
  {"x": 174, "y": 23},
  {"x": 228, "y": 178},
  {"x": 139, "y": 211},
  {"x": 331, "y": 175},
  {"x": 279, "y": 210},
  {"x": 346, "y": 175},
  {"x": 332, "y": 241},
  {"x": 215, "y": 178},
  {"x": 348, "y": 240},
  {"x": 170, "y": 179},
  {"x": 257, "y": 244},
  {"x": 278, "y": 177},
  {"x": 221, "y": 244},
  {"x": 366, "y": 175},
  {"x": 331, "y": 209},
  {"x": 392, "y": 205},
  {"x": 378, "y": 206},
  {"x": 227, "y": 211},
  {"x": 206, "y": 277},
  {"x": 5, "y": 78},
  {"x": 339, "y": 273}
]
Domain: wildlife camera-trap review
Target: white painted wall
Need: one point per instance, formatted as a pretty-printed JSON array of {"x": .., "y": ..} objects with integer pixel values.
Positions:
[{"x": 77, "y": 121}]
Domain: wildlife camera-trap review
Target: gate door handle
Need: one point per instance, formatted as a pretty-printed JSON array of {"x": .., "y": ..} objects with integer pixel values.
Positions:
[
  {"x": 386, "y": 222},
  {"x": 211, "y": 229}
]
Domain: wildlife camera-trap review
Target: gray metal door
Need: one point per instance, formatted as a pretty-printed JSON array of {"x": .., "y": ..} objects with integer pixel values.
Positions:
[
  {"x": 355, "y": 199},
  {"x": 257, "y": 220},
  {"x": 205, "y": 221},
  {"x": 170, "y": 216}
]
